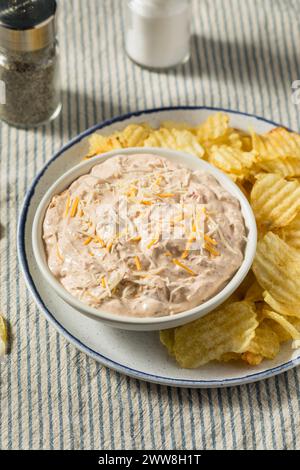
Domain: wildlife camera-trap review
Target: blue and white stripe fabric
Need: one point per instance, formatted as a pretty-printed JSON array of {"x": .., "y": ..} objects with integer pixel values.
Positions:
[{"x": 245, "y": 56}]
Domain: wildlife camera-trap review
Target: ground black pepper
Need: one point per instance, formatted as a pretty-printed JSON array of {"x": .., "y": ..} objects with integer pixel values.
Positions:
[
  {"x": 29, "y": 66},
  {"x": 31, "y": 87}
]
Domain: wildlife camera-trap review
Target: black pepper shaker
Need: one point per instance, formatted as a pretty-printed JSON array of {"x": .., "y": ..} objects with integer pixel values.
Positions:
[{"x": 29, "y": 65}]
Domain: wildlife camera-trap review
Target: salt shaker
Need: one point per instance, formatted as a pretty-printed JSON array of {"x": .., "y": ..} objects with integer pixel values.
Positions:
[
  {"x": 158, "y": 32},
  {"x": 29, "y": 65}
]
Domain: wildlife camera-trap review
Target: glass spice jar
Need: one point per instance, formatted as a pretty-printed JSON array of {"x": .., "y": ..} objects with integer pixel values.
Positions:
[{"x": 29, "y": 65}]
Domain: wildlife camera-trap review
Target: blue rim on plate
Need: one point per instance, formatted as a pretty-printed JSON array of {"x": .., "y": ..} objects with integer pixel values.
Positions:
[{"x": 95, "y": 355}]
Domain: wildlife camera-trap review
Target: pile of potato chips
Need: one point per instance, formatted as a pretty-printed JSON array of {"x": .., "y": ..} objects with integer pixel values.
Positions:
[{"x": 265, "y": 311}]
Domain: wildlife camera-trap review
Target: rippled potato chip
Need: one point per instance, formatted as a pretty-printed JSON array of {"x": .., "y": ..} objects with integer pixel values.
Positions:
[
  {"x": 291, "y": 233},
  {"x": 100, "y": 144},
  {"x": 277, "y": 143},
  {"x": 231, "y": 160},
  {"x": 134, "y": 135},
  {"x": 265, "y": 342},
  {"x": 282, "y": 333},
  {"x": 289, "y": 310},
  {"x": 274, "y": 200},
  {"x": 213, "y": 128},
  {"x": 277, "y": 269},
  {"x": 291, "y": 330},
  {"x": 234, "y": 141},
  {"x": 3, "y": 337},
  {"x": 227, "y": 329},
  {"x": 175, "y": 139},
  {"x": 287, "y": 167},
  {"x": 246, "y": 143}
]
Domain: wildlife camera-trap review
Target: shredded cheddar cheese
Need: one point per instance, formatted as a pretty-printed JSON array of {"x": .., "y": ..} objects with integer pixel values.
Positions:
[
  {"x": 99, "y": 240},
  {"x": 146, "y": 203},
  {"x": 181, "y": 265},
  {"x": 165, "y": 195},
  {"x": 138, "y": 263},
  {"x": 88, "y": 241},
  {"x": 103, "y": 282},
  {"x": 109, "y": 246},
  {"x": 211, "y": 250},
  {"x": 74, "y": 207},
  {"x": 191, "y": 239},
  {"x": 155, "y": 240},
  {"x": 68, "y": 204},
  {"x": 132, "y": 192},
  {"x": 210, "y": 240}
]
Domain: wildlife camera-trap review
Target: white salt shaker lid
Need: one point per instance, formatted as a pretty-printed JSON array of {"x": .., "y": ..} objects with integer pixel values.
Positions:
[{"x": 156, "y": 7}]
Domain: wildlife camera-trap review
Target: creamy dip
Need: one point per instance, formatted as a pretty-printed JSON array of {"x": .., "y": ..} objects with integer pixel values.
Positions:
[{"x": 142, "y": 236}]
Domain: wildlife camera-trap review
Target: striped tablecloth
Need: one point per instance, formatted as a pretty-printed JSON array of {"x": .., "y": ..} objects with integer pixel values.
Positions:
[{"x": 245, "y": 56}]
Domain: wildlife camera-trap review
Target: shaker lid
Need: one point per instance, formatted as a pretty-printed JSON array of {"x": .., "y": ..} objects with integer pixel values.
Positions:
[{"x": 27, "y": 25}]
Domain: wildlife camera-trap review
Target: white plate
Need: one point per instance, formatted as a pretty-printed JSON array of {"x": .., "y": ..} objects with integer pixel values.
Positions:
[{"x": 138, "y": 354}]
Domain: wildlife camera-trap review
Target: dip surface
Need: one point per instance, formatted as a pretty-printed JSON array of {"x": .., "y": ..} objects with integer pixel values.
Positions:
[{"x": 142, "y": 236}]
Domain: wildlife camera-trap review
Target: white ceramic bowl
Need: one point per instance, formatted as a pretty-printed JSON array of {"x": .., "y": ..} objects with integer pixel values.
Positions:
[{"x": 148, "y": 323}]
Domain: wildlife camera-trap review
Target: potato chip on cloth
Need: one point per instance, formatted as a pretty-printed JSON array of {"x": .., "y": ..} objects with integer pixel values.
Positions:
[
  {"x": 227, "y": 329},
  {"x": 274, "y": 200},
  {"x": 3, "y": 337},
  {"x": 277, "y": 269}
]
